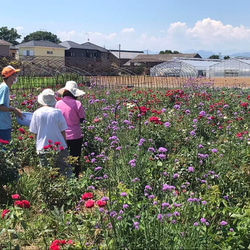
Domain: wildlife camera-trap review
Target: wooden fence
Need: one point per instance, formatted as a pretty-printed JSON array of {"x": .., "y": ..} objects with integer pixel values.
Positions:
[{"x": 167, "y": 82}]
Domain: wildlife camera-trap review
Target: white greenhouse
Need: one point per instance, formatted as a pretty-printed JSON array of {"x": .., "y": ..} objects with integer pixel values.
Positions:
[{"x": 195, "y": 67}]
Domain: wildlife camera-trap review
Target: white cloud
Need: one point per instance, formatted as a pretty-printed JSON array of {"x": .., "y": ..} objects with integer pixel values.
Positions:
[
  {"x": 128, "y": 30},
  {"x": 206, "y": 34}
]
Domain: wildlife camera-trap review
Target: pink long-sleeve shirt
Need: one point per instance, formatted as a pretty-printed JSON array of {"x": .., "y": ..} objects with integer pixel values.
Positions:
[{"x": 72, "y": 111}]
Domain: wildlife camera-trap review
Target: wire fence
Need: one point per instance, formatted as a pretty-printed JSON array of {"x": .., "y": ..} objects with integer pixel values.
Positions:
[{"x": 43, "y": 72}]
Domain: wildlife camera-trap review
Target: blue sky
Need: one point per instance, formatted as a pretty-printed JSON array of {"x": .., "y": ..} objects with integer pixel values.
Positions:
[{"x": 221, "y": 26}]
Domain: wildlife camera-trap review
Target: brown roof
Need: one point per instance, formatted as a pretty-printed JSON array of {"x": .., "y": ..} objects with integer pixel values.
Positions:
[
  {"x": 2, "y": 42},
  {"x": 161, "y": 57}
]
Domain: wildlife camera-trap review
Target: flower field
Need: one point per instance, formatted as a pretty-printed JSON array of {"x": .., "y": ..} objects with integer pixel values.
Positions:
[{"x": 162, "y": 169}]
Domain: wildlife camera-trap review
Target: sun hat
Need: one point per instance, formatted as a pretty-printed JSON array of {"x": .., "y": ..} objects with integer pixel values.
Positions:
[
  {"x": 72, "y": 87},
  {"x": 8, "y": 71},
  {"x": 47, "y": 97}
]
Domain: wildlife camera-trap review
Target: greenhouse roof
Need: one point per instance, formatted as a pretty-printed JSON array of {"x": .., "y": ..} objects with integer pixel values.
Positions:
[{"x": 200, "y": 63}]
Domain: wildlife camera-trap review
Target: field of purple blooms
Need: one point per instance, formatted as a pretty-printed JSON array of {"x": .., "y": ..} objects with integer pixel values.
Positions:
[{"x": 162, "y": 169}]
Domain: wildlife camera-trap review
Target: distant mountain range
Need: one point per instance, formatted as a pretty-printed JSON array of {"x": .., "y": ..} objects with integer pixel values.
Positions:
[{"x": 207, "y": 54}]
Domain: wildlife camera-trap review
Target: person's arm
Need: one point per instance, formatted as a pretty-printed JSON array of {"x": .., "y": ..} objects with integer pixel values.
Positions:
[
  {"x": 17, "y": 112},
  {"x": 64, "y": 135}
]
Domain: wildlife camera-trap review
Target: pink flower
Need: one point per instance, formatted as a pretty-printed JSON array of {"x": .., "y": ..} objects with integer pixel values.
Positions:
[
  {"x": 100, "y": 203},
  {"x": 15, "y": 196},
  {"x": 89, "y": 203},
  {"x": 87, "y": 196}
]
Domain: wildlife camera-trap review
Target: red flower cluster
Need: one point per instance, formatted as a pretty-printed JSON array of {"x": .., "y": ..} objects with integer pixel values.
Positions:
[
  {"x": 155, "y": 120},
  {"x": 22, "y": 203},
  {"x": 21, "y": 130},
  {"x": 55, "y": 245},
  {"x": 5, "y": 211},
  {"x": 87, "y": 196},
  {"x": 241, "y": 133},
  {"x": 244, "y": 104},
  {"x": 89, "y": 203},
  {"x": 4, "y": 141}
]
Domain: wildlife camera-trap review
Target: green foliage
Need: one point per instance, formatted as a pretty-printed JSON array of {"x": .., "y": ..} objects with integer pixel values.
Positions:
[
  {"x": 169, "y": 52},
  {"x": 9, "y": 35},
  {"x": 41, "y": 35},
  {"x": 8, "y": 167},
  {"x": 214, "y": 57},
  {"x": 178, "y": 181}
]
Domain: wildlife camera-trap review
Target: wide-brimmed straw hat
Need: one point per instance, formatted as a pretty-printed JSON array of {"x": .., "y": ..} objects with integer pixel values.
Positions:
[
  {"x": 47, "y": 97},
  {"x": 72, "y": 87}
]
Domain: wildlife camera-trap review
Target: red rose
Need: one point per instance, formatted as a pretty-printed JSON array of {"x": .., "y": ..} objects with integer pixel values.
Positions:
[
  {"x": 49, "y": 141},
  {"x": 101, "y": 203},
  {"x": 89, "y": 203},
  {"x": 57, "y": 143},
  {"x": 61, "y": 147},
  {"x": 87, "y": 196},
  {"x": 15, "y": 196},
  {"x": 5, "y": 211}
]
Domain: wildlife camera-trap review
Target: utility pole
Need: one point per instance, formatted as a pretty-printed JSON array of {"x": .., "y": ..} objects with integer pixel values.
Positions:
[{"x": 119, "y": 55}]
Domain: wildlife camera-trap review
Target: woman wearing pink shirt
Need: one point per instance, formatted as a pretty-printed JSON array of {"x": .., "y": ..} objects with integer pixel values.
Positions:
[{"x": 74, "y": 115}]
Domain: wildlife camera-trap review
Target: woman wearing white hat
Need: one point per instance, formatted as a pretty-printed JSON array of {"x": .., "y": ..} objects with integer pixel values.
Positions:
[
  {"x": 74, "y": 115},
  {"x": 49, "y": 126}
]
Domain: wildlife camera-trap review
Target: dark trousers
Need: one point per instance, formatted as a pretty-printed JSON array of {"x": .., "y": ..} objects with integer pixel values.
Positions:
[{"x": 75, "y": 149}]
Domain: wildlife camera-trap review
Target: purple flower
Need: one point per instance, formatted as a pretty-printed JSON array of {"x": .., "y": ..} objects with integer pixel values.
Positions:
[
  {"x": 196, "y": 224},
  {"x": 162, "y": 156},
  {"x": 167, "y": 124},
  {"x": 135, "y": 179},
  {"x": 167, "y": 187},
  {"x": 148, "y": 187},
  {"x": 98, "y": 168},
  {"x": 162, "y": 150},
  {"x": 165, "y": 204},
  {"x": 202, "y": 113},
  {"x": 123, "y": 194},
  {"x": 223, "y": 223},
  {"x": 190, "y": 169},
  {"x": 151, "y": 149},
  {"x": 214, "y": 150},
  {"x": 176, "y": 213},
  {"x": 175, "y": 176},
  {"x": 192, "y": 133},
  {"x": 104, "y": 198},
  {"x": 202, "y": 220},
  {"x": 159, "y": 216},
  {"x": 132, "y": 162},
  {"x": 125, "y": 206}
]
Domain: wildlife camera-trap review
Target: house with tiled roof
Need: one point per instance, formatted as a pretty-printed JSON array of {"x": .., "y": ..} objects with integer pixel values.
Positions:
[
  {"x": 42, "y": 55},
  {"x": 4, "y": 48},
  {"x": 154, "y": 59},
  {"x": 88, "y": 56},
  {"x": 120, "y": 57}
]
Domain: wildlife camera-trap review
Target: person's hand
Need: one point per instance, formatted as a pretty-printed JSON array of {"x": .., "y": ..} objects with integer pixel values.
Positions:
[{"x": 18, "y": 113}]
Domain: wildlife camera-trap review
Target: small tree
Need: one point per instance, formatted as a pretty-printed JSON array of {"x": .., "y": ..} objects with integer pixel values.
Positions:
[
  {"x": 167, "y": 51},
  {"x": 41, "y": 35},
  {"x": 214, "y": 57},
  {"x": 9, "y": 35},
  {"x": 226, "y": 57}
]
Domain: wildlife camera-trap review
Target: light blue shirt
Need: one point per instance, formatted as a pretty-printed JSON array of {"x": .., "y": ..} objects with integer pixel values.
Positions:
[{"x": 5, "y": 118}]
